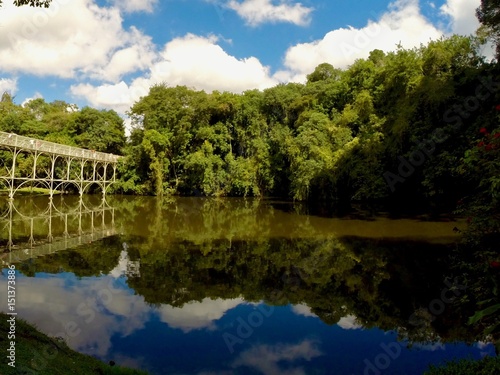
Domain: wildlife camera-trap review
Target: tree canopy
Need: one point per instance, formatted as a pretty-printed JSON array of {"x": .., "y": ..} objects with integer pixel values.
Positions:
[{"x": 488, "y": 14}]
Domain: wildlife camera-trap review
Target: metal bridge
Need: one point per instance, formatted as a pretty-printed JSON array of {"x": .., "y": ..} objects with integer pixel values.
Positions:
[{"x": 52, "y": 165}]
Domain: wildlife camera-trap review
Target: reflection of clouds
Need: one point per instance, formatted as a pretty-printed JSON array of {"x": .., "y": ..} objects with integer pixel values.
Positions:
[
  {"x": 121, "y": 268},
  {"x": 266, "y": 358},
  {"x": 86, "y": 313},
  {"x": 197, "y": 315},
  {"x": 125, "y": 266},
  {"x": 124, "y": 361},
  {"x": 349, "y": 322},
  {"x": 428, "y": 347},
  {"x": 486, "y": 348},
  {"x": 484, "y": 345},
  {"x": 89, "y": 311},
  {"x": 303, "y": 310}
]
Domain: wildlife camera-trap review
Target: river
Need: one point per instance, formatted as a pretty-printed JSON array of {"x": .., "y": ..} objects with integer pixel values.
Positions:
[{"x": 239, "y": 286}]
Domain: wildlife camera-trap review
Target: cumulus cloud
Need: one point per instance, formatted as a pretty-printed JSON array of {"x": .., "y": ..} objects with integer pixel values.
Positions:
[
  {"x": 200, "y": 62},
  {"x": 256, "y": 12},
  {"x": 195, "y": 61},
  {"x": 119, "y": 96},
  {"x": 462, "y": 15},
  {"x": 67, "y": 41},
  {"x": 401, "y": 24},
  {"x": 8, "y": 85}
]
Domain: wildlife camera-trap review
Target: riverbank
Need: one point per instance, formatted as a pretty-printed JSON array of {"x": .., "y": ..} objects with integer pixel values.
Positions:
[
  {"x": 36, "y": 353},
  {"x": 29, "y": 191}
]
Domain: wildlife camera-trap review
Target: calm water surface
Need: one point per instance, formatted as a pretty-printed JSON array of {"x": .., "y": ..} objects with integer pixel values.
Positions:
[{"x": 233, "y": 286}]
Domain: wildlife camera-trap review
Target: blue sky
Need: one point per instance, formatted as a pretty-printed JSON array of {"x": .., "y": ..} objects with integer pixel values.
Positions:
[{"x": 107, "y": 53}]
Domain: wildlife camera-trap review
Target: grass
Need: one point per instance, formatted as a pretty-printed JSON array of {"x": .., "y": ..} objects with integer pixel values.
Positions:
[
  {"x": 36, "y": 353},
  {"x": 30, "y": 191}
]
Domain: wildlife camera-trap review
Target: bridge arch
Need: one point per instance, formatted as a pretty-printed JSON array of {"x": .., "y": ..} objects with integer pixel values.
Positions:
[{"x": 53, "y": 166}]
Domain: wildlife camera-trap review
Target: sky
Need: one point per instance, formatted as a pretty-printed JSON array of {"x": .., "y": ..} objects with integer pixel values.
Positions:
[{"x": 108, "y": 53}]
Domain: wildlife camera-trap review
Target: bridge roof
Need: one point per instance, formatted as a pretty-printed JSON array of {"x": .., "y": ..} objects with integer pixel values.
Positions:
[{"x": 9, "y": 140}]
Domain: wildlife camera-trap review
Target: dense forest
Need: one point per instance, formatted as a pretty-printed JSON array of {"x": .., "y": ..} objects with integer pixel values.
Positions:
[{"x": 411, "y": 123}]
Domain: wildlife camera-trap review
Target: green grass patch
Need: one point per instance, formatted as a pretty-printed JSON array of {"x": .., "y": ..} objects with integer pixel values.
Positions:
[
  {"x": 30, "y": 191},
  {"x": 36, "y": 353}
]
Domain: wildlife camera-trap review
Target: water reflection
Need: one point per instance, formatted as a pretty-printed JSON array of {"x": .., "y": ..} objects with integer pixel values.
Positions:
[
  {"x": 200, "y": 286},
  {"x": 37, "y": 227}
]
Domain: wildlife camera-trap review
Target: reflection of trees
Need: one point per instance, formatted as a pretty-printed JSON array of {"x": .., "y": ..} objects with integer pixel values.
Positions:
[
  {"x": 189, "y": 250},
  {"x": 38, "y": 226},
  {"x": 478, "y": 260},
  {"x": 382, "y": 283}
]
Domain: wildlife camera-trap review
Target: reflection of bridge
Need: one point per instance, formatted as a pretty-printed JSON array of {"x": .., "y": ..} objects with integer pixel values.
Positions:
[
  {"x": 52, "y": 165},
  {"x": 52, "y": 229}
]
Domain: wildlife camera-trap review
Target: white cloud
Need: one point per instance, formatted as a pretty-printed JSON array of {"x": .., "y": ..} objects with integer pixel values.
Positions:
[
  {"x": 119, "y": 96},
  {"x": 197, "y": 315},
  {"x": 68, "y": 40},
  {"x": 462, "y": 15},
  {"x": 131, "y": 6},
  {"x": 256, "y": 12},
  {"x": 200, "y": 62},
  {"x": 8, "y": 85},
  {"x": 266, "y": 358},
  {"x": 36, "y": 96},
  {"x": 192, "y": 60},
  {"x": 401, "y": 24}
]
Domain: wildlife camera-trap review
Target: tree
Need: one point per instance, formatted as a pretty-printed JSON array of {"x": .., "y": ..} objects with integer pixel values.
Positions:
[
  {"x": 323, "y": 72},
  {"x": 31, "y": 3},
  {"x": 488, "y": 14}
]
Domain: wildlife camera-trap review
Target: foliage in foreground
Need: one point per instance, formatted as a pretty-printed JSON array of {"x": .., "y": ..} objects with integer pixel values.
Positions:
[{"x": 486, "y": 366}]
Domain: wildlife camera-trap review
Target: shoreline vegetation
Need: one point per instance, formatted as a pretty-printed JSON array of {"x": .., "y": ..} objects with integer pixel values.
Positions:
[{"x": 29, "y": 191}]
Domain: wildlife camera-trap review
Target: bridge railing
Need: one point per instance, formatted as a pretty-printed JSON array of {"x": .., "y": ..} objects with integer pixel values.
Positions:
[{"x": 33, "y": 144}]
